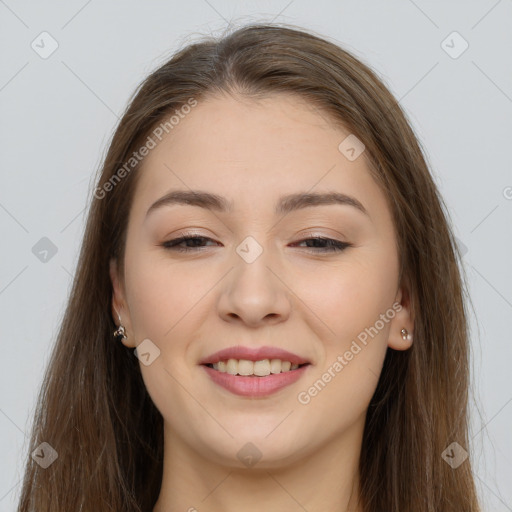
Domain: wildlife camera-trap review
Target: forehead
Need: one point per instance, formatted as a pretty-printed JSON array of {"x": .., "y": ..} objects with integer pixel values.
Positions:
[{"x": 254, "y": 151}]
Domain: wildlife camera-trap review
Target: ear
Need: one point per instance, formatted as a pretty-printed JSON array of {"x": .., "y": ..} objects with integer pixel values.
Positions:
[
  {"x": 403, "y": 319},
  {"x": 119, "y": 306}
]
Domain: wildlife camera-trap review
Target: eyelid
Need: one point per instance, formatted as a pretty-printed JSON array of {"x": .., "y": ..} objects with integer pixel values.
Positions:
[
  {"x": 321, "y": 232},
  {"x": 300, "y": 236},
  {"x": 333, "y": 246}
]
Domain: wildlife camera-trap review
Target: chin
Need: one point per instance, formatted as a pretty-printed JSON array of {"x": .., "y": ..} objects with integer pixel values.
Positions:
[{"x": 255, "y": 449}]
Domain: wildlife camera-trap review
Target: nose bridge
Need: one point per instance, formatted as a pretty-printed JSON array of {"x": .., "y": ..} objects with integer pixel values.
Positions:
[{"x": 253, "y": 293}]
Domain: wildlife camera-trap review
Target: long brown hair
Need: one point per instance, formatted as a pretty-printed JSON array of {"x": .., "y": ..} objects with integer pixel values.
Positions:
[{"x": 93, "y": 408}]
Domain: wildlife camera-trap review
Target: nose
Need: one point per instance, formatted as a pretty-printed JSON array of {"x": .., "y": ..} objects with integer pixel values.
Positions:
[{"x": 254, "y": 294}]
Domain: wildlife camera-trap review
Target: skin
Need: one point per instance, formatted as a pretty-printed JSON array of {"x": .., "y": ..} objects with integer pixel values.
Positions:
[{"x": 292, "y": 296}]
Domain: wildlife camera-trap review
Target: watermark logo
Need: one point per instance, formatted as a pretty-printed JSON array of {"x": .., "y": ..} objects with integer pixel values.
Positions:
[
  {"x": 249, "y": 455},
  {"x": 44, "y": 45},
  {"x": 146, "y": 352},
  {"x": 249, "y": 249},
  {"x": 351, "y": 147},
  {"x": 44, "y": 250},
  {"x": 454, "y": 45},
  {"x": 462, "y": 247},
  {"x": 44, "y": 455},
  {"x": 454, "y": 455}
]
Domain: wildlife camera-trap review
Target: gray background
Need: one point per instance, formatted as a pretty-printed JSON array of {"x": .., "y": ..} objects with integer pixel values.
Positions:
[{"x": 58, "y": 113}]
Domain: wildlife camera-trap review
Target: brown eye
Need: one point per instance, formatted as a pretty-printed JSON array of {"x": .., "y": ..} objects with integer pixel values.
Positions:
[
  {"x": 317, "y": 244},
  {"x": 322, "y": 244},
  {"x": 192, "y": 242}
]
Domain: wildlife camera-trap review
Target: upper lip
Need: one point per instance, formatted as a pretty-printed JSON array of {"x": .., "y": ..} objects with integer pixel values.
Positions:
[{"x": 253, "y": 354}]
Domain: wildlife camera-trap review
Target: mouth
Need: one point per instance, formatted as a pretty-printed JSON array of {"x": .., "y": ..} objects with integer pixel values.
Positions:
[
  {"x": 254, "y": 373},
  {"x": 260, "y": 369},
  {"x": 254, "y": 355}
]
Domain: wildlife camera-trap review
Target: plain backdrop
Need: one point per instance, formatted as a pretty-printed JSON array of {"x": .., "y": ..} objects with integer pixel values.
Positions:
[{"x": 58, "y": 112}]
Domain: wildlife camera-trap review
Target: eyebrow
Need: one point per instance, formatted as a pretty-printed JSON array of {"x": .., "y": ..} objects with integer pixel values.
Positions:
[{"x": 285, "y": 204}]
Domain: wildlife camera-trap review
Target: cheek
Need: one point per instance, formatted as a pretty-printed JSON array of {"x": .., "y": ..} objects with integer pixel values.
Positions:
[
  {"x": 165, "y": 303},
  {"x": 160, "y": 293},
  {"x": 350, "y": 300},
  {"x": 351, "y": 295}
]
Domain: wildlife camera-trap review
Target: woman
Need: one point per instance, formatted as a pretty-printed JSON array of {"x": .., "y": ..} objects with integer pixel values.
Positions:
[{"x": 268, "y": 309}]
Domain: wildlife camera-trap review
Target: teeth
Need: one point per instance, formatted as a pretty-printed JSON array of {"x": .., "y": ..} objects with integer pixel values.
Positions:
[
  {"x": 275, "y": 365},
  {"x": 245, "y": 367},
  {"x": 259, "y": 368},
  {"x": 231, "y": 366}
]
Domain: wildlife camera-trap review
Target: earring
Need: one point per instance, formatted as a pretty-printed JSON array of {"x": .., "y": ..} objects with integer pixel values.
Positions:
[
  {"x": 120, "y": 333},
  {"x": 405, "y": 334}
]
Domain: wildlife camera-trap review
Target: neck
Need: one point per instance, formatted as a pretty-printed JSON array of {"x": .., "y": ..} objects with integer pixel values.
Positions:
[{"x": 325, "y": 480}]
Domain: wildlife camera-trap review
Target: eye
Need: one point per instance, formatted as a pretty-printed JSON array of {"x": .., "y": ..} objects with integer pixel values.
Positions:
[
  {"x": 326, "y": 244},
  {"x": 193, "y": 242}
]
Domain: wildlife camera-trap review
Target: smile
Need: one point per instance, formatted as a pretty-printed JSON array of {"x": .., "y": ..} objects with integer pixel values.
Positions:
[
  {"x": 260, "y": 368},
  {"x": 255, "y": 380}
]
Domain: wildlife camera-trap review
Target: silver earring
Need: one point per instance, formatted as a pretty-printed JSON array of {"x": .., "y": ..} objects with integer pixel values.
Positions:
[
  {"x": 405, "y": 334},
  {"x": 120, "y": 333}
]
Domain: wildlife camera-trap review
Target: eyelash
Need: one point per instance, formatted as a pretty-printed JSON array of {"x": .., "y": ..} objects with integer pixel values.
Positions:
[{"x": 332, "y": 245}]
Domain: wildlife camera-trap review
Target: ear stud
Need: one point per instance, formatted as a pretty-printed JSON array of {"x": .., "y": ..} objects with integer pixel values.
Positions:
[
  {"x": 120, "y": 333},
  {"x": 405, "y": 334}
]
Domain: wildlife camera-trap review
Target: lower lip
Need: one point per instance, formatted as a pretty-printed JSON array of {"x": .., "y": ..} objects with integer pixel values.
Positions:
[{"x": 255, "y": 386}]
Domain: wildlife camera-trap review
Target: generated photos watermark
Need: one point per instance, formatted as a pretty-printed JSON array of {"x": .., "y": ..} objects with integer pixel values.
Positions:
[
  {"x": 151, "y": 142},
  {"x": 342, "y": 360}
]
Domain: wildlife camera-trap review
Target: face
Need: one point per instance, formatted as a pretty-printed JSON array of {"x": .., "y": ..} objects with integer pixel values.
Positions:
[{"x": 317, "y": 279}]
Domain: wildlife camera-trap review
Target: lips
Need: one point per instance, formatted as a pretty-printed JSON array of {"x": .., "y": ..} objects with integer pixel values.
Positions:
[
  {"x": 253, "y": 354},
  {"x": 235, "y": 376},
  {"x": 255, "y": 387}
]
